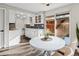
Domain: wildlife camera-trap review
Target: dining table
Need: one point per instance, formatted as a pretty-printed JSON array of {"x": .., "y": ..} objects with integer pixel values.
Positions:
[{"x": 52, "y": 43}]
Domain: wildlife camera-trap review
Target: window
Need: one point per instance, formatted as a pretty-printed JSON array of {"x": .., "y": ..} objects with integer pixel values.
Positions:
[
  {"x": 58, "y": 25},
  {"x": 62, "y": 25},
  {"x": 50, "y": 25}
]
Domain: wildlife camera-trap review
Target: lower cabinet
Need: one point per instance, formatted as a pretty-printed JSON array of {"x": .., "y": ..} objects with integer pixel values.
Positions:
[
  {"x": 40, "y": 32},
  {"x": 31, "y": 32}
]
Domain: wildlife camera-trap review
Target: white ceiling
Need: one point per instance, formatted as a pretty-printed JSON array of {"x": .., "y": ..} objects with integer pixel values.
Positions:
[{"x": 37, "y": 7}]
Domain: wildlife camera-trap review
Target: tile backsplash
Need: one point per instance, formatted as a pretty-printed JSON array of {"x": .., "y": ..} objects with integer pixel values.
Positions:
[{"x": 36, "y": 26}]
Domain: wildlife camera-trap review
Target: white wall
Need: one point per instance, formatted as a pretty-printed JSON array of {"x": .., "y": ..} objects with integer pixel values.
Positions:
[
  {"x": 59, "y": 10},
  {"x": 74, "y": 17}
]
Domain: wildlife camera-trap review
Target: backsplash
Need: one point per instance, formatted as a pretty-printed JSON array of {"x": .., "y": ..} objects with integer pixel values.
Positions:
[{"x": 36, "y": 26}]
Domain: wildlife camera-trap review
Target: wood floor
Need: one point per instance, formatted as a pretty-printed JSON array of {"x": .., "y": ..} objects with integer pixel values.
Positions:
[{"x": 23, "y": 49}]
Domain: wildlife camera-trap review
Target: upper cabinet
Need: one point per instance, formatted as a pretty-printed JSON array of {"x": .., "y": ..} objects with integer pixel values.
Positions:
[
  {"x": 39, "y": 19},
  {"x": 28, "y": 20},
  {"x": 34, "y": 19},
  {"x": 22, "y": 18}
]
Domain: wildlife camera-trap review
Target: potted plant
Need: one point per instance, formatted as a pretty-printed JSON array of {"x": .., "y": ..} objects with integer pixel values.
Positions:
[
  {"x": 77, "y": 33},
  {"x": 46, "y": 36}
]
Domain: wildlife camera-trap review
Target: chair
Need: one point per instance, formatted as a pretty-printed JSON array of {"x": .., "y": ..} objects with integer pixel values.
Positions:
[
  {"x": 73, "y": 45},
  {"x": 66, "y": 51},
  {"x": 77, "y": 52},
  {"x": 67, "y": 40}
]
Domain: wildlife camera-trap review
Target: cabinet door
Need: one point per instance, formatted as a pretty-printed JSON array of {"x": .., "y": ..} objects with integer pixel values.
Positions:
[
  {"x": 27, "y": 21},
  {"x": 42, "y": 18},
  {"x": 39, "y": 19},
  {"x": 27, "y": 32},
  {"x": 40, "y": 32},
  {"x": 35, "y": 33},
  {"x": 11, "y": 16},
  {"x": 30, "y": 33}
]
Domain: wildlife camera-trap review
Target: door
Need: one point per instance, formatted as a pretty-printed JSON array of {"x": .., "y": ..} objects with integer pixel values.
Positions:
[{"x": 1, "y": 28}]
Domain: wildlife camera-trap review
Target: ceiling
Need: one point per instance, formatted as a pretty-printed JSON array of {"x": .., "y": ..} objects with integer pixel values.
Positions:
[{"x": 37, "y": 7}]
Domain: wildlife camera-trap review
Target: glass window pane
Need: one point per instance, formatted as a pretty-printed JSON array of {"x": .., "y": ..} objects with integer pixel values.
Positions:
[
  {"x": 62, "y": 27},
  {"x": 50, "y": 25}
]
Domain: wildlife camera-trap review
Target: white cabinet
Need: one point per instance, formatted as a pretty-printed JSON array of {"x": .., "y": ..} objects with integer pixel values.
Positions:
[
  {"x": 39, "y": 19},
  {"x": 33, "y": 19},
  {"x": 11, "y": 16},
  {"x": 35, "y": 32},
  {"x": 40, "y": 32},
  {"x": 27, "y": 21},
  {"x": 42, "y": 18},
  {"x": 31, "y": 32},
  {"x": 28, "y": 32}
]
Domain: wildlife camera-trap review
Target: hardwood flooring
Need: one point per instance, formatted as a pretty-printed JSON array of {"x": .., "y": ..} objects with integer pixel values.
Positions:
[{"x": 23, "y": 49}]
